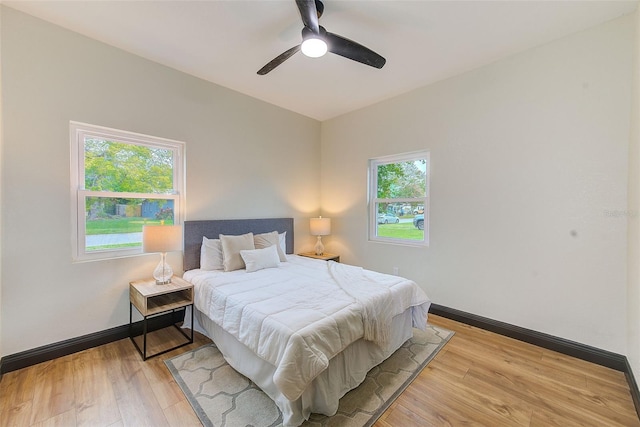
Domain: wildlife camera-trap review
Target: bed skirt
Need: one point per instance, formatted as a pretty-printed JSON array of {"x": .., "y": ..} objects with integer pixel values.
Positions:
[{"x": 346, "y": 370}]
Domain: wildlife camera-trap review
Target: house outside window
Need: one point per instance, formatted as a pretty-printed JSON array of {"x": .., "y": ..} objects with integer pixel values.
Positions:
[
  {"x": 399, "y": 199},
  {"x": 121, "y": 181}
]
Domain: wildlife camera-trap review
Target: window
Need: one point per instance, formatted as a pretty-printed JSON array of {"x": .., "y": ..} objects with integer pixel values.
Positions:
[
  {"x": 399, "y": 199},
  {"x": 121, "y": 181}
]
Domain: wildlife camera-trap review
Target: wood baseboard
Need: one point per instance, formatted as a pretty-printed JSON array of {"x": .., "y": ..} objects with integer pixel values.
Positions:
[
  {"x": 34, "y": 356},
  {"x": 550, "y": 342}
]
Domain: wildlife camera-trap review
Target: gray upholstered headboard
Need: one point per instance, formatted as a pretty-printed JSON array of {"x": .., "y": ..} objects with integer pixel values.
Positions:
[{"x": 194, "y": 230}]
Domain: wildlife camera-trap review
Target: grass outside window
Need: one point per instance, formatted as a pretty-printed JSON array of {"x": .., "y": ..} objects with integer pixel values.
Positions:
[
  {"x": 121, "y": 225},
  {"x": 403, "y": 230}
]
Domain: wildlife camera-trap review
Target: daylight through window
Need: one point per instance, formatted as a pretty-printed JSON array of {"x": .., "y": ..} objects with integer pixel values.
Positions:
[
  {"x": 120, "y": 182},
  {"x": 399, "y": 199}
]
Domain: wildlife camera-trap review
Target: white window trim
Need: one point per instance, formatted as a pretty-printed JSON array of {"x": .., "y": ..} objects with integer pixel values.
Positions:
[
  {"x": 77, "y": 132},
  {"x": 374, "y": 200}
]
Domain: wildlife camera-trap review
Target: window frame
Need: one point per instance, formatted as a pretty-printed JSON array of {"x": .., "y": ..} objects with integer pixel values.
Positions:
[
  {"x": 77, "y": 133},
  {"x": 374, "y": 201}
]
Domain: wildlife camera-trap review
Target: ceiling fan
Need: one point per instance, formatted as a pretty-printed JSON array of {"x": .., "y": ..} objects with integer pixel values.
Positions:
[{"x": 316, "y": 41}]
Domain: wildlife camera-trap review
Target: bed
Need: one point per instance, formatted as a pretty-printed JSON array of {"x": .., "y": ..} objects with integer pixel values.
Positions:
[{"x": 307, "y": 331}]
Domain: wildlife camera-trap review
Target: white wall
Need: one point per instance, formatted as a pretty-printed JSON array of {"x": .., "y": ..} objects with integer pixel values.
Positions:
[
  {"x": 245, "y": 159},
  {"x": 1, "y": 185},
  {"x": 633, "y": 216},
  {"x": 528, "y": 186}
]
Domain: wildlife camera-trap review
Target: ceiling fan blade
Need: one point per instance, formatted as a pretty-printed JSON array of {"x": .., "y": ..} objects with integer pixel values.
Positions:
[
  {"x": 352, "y": 50},
  {"x": 309, "y": 14},
  {"x": 278, "y": 60}
]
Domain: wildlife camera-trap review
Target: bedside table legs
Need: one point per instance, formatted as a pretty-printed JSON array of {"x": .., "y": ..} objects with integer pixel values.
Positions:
[{"x": 145, "y": 330}]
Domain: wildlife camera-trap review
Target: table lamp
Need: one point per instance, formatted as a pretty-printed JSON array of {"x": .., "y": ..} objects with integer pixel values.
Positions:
[
  {"x": 320, "y": 227},
  {"x": 162, "y": 239}
]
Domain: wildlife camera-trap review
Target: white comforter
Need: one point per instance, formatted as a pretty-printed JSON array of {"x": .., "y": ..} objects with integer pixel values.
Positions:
[{"x": 301, "y": 314}]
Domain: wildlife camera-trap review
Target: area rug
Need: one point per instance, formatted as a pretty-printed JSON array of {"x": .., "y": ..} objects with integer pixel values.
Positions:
[{"x": 221, "y": 396}]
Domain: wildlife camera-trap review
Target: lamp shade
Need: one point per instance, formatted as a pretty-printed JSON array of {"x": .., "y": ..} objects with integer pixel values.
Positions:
[
  {"x": 320, "y": 226},
  {"x": 161, "y": 238}
]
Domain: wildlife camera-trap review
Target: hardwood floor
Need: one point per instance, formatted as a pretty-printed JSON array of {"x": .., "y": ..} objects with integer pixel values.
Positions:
[{"x": 479, "y": 378}]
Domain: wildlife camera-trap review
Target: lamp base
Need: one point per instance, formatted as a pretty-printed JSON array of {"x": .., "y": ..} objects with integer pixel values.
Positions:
[
  {"x": 163, "y": 271},
  {"x": 319, "y": 246}
]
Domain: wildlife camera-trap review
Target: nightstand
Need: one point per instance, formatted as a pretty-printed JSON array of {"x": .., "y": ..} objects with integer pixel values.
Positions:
[
  {"x": 152, "y": 300},
  {"x": 325, "y": 256}
]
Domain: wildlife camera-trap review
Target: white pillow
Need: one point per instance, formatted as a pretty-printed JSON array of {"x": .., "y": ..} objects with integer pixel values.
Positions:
[
  {"x": 269, "y": 239},
  {"x": 283, "y": 243},
  {"x": 211, "y": 254},
  {"x": 258, "y": 259},
  {"x": 231, "y": 247}
]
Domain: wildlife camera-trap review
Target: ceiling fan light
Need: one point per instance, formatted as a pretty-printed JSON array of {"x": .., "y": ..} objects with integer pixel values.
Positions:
[{"x": 314, "y": 47}]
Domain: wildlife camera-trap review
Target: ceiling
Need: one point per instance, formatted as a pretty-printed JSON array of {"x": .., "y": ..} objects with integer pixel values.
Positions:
[{"x": 226, "y": 42}]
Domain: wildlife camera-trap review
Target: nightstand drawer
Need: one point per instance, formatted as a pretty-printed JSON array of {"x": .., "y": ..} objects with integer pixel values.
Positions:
[
  {"x": 160, "y": 303},
  {"x": 150, "y": 298}
]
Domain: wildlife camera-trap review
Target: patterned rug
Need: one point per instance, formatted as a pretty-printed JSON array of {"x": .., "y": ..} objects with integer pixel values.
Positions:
[{"x": 221, "y": 396}]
